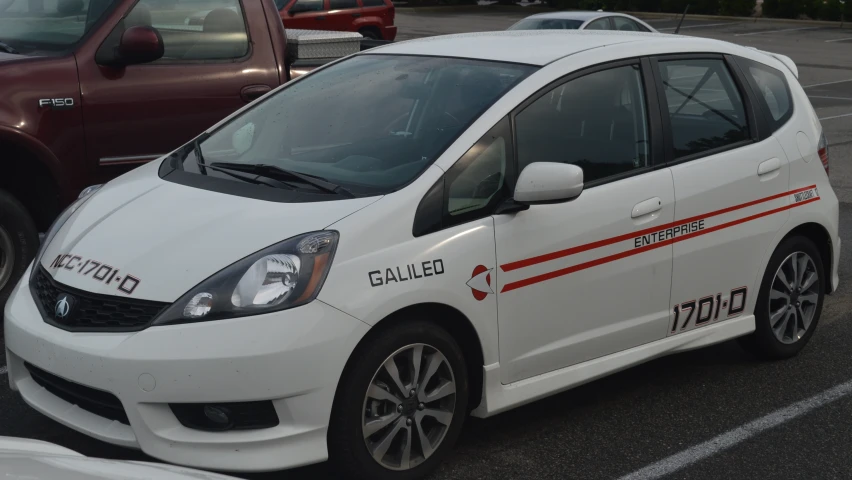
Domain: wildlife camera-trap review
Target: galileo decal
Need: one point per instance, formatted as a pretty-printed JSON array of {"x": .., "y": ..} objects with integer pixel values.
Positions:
[{"x": 405, "y": 273}]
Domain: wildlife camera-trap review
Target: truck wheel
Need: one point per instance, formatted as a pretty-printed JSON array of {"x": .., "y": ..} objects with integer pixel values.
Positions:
[
  {"x": 18, "y": 243},
  {"x": 371, "y": 33},
  {"x": 400, "y": 407},
  {"x": 789, "y": 302}
]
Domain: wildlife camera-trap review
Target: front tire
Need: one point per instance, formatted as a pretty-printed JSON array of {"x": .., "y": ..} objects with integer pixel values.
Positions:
[
  {"x": 790, "y": 300},
  {"x": 18, "y": 244},
  {"x": 401, "y": 404}
]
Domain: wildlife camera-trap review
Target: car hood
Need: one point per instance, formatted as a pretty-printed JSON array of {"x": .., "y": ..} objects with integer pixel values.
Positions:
[
  {"x": 170, "y": 237},
  {"x": 25, "y": 459}
]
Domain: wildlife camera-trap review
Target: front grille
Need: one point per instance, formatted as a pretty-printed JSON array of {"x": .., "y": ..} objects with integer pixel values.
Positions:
[
  {"x": 92, "y": 312},
  {"x": 98, "y": 402}
]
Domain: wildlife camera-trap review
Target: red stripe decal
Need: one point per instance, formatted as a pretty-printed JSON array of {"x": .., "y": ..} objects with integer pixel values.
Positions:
[
  {"x": 629, "y": 253},
  {"x": 508, "y": 267}
]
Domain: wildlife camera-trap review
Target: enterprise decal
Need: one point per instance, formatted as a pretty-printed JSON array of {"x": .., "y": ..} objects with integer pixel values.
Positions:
[
  {"x": 668, "y": 233},
  {"x": 655, "y": 237}
]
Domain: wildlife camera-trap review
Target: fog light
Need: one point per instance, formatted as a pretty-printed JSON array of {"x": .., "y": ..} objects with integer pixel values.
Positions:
[{"x": 217, "y": 415}]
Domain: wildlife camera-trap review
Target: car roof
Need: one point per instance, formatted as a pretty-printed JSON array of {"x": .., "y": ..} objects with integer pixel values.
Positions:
[
  {"x": 575, "y": 15},
  {"x": 540, "y": 47}
]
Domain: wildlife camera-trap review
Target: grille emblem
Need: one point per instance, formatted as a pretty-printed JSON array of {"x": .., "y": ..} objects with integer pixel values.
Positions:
[{"x": 64, "y": 306}]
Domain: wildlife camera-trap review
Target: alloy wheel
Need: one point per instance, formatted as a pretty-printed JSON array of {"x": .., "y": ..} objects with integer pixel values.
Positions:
[
  {"x": 409, "y": 407},
  {"x": 793, "y": 297}
]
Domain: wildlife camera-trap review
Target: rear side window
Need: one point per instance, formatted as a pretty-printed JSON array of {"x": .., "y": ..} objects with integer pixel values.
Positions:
[
  {"x": 373, "y": 3},
  {"x": 599, "y": 24},
  {"x": 627, "y": 25},
  {"x": 705, "y": 108},
  {"x": 772, "y": 90}
]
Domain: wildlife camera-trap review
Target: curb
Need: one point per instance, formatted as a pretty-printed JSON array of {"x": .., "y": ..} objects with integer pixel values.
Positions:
[{"x": 642, "y": 15}]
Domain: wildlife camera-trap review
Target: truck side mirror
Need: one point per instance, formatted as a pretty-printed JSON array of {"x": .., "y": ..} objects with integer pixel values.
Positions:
[{"x": 140, "y": 45}]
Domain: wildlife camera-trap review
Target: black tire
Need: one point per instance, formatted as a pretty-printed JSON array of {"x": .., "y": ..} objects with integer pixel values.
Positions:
[
  {"x": 347, "y": 449},
  {"x": 371, "y": 33},
  {"x": 21, "y": 238},
  {"x": 763, "y": 342}
]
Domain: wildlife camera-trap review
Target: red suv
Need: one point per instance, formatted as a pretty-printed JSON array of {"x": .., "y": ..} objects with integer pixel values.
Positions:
[{"x": 370, "y": 18}]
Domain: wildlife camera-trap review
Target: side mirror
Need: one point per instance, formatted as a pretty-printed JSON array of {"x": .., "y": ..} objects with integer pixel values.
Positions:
[
  {"x": 140, "y": 45},
  {"x": 548, "y": 182}
]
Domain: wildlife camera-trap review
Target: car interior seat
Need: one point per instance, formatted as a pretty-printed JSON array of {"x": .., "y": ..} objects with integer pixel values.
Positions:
[{"x": 223, "y": 37}]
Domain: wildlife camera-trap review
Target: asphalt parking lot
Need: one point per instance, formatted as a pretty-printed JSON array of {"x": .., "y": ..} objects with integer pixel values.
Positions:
[{"x": 707, "y": 414}]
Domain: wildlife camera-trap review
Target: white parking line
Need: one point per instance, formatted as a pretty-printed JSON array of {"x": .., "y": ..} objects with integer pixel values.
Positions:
[
  {"x": 836, "y": 116},
  {"x": 838, "y": 40},
  {"x": 738, "y": 435},
  {"x": 3, "y": 370},
  {"x": 775, "y": 31},
  {"x": 830, "y": 98},
  {"x": 828, "y": 83},
  {"x": 700, "y": 26}
]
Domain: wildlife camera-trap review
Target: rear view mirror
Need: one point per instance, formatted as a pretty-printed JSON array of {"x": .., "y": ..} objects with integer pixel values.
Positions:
[
  {"x": 243, "y": 138},
  {"x": 548, "y": 182},
  {"x": 140, "y": 45}
]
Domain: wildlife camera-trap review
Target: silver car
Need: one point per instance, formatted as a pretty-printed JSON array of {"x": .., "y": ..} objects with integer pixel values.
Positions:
[{"x": 582, "y": 21}]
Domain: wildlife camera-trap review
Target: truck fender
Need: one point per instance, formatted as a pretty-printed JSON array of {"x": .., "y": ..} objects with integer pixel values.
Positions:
[{"x": 38, "y": 150}]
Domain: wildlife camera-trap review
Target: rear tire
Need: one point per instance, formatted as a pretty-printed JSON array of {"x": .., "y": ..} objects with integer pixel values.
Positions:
[
  {"x": 371, "y": 33},
  {"x": 371, "y": 409},
  {"x": 18, "y": 244},
  {"x": 790, "y": 300}
]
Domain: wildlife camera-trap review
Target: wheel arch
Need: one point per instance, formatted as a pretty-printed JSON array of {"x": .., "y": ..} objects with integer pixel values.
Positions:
[
  {"x": 817, "y": 233},
  {"x": 31, "y": 175},
  {"x": 450, "y": 319}
]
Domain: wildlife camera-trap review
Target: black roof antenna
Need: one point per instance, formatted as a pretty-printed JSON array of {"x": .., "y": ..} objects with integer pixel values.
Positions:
[{"x": 681, "y": 19}]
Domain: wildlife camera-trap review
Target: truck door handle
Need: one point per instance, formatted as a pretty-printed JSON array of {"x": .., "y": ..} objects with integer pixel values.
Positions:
[
  {"x": 768, "y": 166},
  {"x": 647, "y": 207},
  {"x": 356, "y": 15},
  {"x": 253, "y": 92}
]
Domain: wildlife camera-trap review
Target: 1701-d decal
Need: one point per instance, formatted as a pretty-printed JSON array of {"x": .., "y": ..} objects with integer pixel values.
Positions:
[
  {"x": 98, "y": 270},
  {"x": 707, "y": 310}
]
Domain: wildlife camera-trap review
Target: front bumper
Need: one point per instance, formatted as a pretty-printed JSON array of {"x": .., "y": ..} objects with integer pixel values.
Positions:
[{"x": 293, "y": 358}]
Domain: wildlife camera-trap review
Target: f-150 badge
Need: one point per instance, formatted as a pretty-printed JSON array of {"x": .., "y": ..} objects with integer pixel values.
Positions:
[{"x": 480, "y": 282}]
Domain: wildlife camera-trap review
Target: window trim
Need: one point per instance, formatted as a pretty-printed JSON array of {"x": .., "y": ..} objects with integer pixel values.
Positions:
[
  {"x": 769, "y": 123},
  {"x": 165, "y": 63},
  {"x": 653, "y": 117},
  {"x": 748, "y": 106}
]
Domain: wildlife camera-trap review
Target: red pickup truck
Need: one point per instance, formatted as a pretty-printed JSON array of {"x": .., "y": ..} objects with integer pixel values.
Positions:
[{"x": 89, "y": 89}]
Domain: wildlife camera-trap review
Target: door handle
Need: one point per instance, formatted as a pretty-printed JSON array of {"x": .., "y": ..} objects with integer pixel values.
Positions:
[
  {"x": 768, "y": 166},
  {"x": 356, "y": 15},
  {"x": 647, "y": 207},
  {"x": 253, "y": 92}
]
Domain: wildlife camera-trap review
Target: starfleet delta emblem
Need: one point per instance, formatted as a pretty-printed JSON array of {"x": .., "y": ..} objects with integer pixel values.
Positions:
[{"x": 480, "y": 282}]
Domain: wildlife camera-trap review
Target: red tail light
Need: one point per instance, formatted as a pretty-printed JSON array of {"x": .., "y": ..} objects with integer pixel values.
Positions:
[{"x": 822, "y": 149}]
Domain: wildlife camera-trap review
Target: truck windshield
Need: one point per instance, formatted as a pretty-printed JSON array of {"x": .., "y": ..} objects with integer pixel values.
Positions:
[
  {"x": 35, "y": 26},
  {"x": 370, "y": 124}
]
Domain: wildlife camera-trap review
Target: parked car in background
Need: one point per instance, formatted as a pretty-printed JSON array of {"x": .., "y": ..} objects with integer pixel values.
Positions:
[
  {"x": 90, "y": 90},
  {"x": 583, "y": 21},
  {"x": 27, "y": 459},
  {"x": 371, "y": 18}
]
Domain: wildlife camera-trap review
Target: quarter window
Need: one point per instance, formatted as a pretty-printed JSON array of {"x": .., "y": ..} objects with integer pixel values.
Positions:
[
  {"x": 705, "y": 109},
  {"x": 772, "y": 88},
  {"x": 597, "y": 122},
  {"x": 628, "y": 25}
]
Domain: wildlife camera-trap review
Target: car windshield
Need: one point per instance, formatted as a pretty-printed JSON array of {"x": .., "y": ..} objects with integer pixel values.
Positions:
[
  {"x": 547, "y": 24},
  {"x": 370, "y": 124},
  {"x": 37, "y": 26}
]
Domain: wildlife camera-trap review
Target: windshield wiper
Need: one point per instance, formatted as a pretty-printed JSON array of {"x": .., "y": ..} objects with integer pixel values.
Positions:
[
  {"x": 274, "y": 172},
  {"x": 8, "y": 48},
  {"x": 248, "y": 177},
  {"x": 196, "y": 148}
]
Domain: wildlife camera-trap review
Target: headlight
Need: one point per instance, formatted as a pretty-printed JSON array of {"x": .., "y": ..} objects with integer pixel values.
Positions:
[
  {"x": 61, "y": 219},
  {"x": 285, "y": 275}
]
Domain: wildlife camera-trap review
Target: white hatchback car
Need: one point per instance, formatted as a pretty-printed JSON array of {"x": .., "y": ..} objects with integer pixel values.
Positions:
[
  {"x": 574, "y": 20},
  {"x": 347, "y": 267}
]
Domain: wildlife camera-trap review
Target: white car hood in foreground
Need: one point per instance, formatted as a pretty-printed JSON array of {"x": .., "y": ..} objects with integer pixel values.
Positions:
[
  {"x": 171, "y": 237},
  {"x": 24, "y": 459}
]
